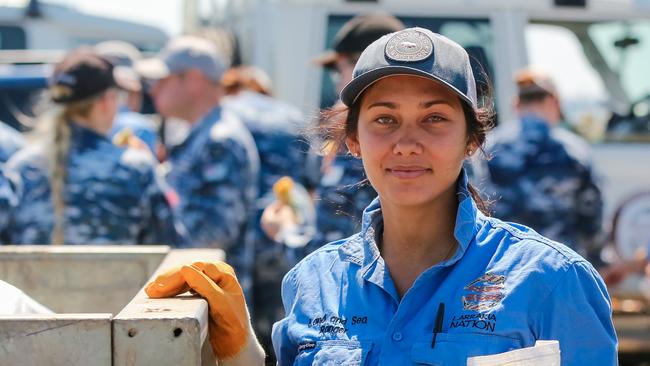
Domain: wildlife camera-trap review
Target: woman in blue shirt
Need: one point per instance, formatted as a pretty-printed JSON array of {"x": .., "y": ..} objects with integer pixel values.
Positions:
[{"x": 430, "y": 279}]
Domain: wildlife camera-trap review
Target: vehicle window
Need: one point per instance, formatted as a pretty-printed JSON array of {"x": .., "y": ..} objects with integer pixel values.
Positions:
[
  {"x": 625, "y": 46},
  {"x": 600, "y": 76},
  {"x": 12, "y": 38},
  {"x": 472, "y": 33}
]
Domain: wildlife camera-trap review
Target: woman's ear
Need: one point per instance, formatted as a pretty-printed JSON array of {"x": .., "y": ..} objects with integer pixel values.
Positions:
[
  {"x": 472, "y": 146},
  {"x": 353, "y": 146}
]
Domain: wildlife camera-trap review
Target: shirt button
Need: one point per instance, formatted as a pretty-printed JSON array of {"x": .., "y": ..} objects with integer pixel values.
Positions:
[{"x": 397, "y": 336}]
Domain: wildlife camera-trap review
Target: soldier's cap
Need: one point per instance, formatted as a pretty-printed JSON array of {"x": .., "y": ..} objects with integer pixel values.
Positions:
[
  {"x": 181, "y": 54},
  {"x": 123, "y": 56},
  {"x": 83, "y": 74},
  {"x": 531, "y": 81},
  {"x": 414, "y": 51},
  {"x": 357, "y": 34}
]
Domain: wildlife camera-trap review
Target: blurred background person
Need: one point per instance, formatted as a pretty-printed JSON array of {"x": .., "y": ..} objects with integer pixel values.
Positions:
[
  {"x": 213, "y": 174},
  {"x": 540, "y": 174},
  {"x": 128, "y": 119},
  {"x": 343, "y": 192},
  {"x": 276, "y": 127},
  {"x": 72, "y": 185}
]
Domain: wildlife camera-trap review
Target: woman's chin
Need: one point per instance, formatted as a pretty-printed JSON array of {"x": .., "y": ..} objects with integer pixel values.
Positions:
[{"x": 410, "y": 196}]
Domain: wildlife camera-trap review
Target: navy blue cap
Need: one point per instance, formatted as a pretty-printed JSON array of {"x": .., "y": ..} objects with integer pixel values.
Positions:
[{"x": 413, "y": 51}]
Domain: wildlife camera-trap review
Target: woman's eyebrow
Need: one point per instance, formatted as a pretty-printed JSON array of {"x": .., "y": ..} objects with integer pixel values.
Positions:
[
  {"x": 389, "y": 105},
  {"x": 433, "y": 102}
]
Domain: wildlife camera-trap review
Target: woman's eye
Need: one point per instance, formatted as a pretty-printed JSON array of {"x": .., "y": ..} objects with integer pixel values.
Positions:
[
  {"x": 385, "y": 120},
  {"x": 435, "y": 118}
]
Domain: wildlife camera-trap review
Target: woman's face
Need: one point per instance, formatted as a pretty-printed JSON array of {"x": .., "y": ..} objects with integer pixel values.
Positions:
[{"x": 412, "y": 138}]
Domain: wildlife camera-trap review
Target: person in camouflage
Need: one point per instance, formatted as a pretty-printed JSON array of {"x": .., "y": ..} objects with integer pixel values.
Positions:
[
  {"x": 276, "y": 127},
  {"x": 343, "y": 192},
  {"x": 72, "y": 185},
  {"x": 128, "y": 119},
  {"x": 540, "y": 174},
  {"x": 213, "y": 174}
]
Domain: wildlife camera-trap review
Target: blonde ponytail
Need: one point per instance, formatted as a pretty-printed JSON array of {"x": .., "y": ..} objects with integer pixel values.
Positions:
[{"x": 58, "y": 153}]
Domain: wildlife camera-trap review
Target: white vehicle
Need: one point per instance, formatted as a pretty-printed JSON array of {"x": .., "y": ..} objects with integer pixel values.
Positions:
[
  {"x": 36, "y": 36},
  {"x": 596, "y": 50},
  {"x": 43, "y": 26}
]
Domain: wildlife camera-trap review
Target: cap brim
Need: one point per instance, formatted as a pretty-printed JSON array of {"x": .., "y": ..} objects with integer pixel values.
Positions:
[
  {"x": 127, "y": 79},
  {"x": 358, "y": 85},
  {"x": 153, "y": 69},
  {"x": 327, "y": 59}
]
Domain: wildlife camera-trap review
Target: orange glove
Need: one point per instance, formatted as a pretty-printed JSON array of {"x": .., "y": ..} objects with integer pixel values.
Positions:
[{"x": 231, "y": 334}]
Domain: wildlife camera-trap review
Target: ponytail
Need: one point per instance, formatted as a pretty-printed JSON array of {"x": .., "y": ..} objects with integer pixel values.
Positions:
[{"x": 59, "y": 148}]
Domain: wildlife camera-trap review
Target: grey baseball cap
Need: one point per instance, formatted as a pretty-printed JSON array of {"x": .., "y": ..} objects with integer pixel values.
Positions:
[
  {"x": 181, "y": 54},
  {"x": 123, "y": 56},
  {"x": 414, "y": 51}
]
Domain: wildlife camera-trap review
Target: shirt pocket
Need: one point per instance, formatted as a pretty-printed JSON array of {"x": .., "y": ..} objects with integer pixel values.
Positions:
[
  {"x": 455, "y": 348},
  {"x": 335, "y": 353}
]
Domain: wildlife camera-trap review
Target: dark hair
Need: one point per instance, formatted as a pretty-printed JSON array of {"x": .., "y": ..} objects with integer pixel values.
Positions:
[{"x": 339, "y": 122}]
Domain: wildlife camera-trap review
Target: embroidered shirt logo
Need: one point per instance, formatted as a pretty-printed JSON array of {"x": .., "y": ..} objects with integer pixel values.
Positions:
[
  {"x": 305, "y": 346},
  {"x": 485, "y": 292}
]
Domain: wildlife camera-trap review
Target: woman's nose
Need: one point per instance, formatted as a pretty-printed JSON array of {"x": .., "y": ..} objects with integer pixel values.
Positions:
[{"x": 408, "y": 143}]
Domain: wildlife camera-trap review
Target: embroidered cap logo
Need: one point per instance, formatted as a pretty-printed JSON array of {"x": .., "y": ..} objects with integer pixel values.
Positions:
[{"x": 409, "y": 46}]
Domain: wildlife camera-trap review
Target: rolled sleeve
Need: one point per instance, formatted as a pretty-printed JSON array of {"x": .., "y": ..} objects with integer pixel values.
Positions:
[{"x": 578, "y": 314}]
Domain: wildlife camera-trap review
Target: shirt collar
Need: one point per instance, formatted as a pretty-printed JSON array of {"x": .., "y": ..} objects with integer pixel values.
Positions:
[
  {"x": 200, "y": 128},
  {"x": 363, "y": 250}
]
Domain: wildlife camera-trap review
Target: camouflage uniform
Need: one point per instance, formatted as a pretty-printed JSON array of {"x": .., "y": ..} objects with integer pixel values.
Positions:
[
  {"x": 542, "y": 177},
  {"x": 111, "y": 195},
  {"x": 344, "y": 192},
  {"x": 7, "y": 200},
  {"x": 10, "y": 142},
  {"x": 142, "y": 127},
  {"x": 275, "y": 126},
  {"x": 214, "y": 175}
]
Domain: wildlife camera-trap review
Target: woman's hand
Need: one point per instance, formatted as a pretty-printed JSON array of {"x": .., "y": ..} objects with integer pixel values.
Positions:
[
  {"x": 276, "y": 217},
  {"x": 230, "y": 331}
]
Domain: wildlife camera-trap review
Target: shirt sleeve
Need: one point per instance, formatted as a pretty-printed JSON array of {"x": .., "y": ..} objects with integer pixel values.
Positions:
[
  {"x": 578, "y": 314},
  {"x": 159, "y": 226},
  {"x": 285, "y": 350}
]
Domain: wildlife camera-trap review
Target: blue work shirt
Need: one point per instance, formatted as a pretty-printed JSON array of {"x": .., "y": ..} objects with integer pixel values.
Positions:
[
  {"x": 112, "y": 195},
  {"x": 505, "y": 287}
]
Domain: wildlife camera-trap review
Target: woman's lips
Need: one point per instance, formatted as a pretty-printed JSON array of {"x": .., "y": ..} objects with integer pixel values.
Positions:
[{"x": 408, "y": 172}]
